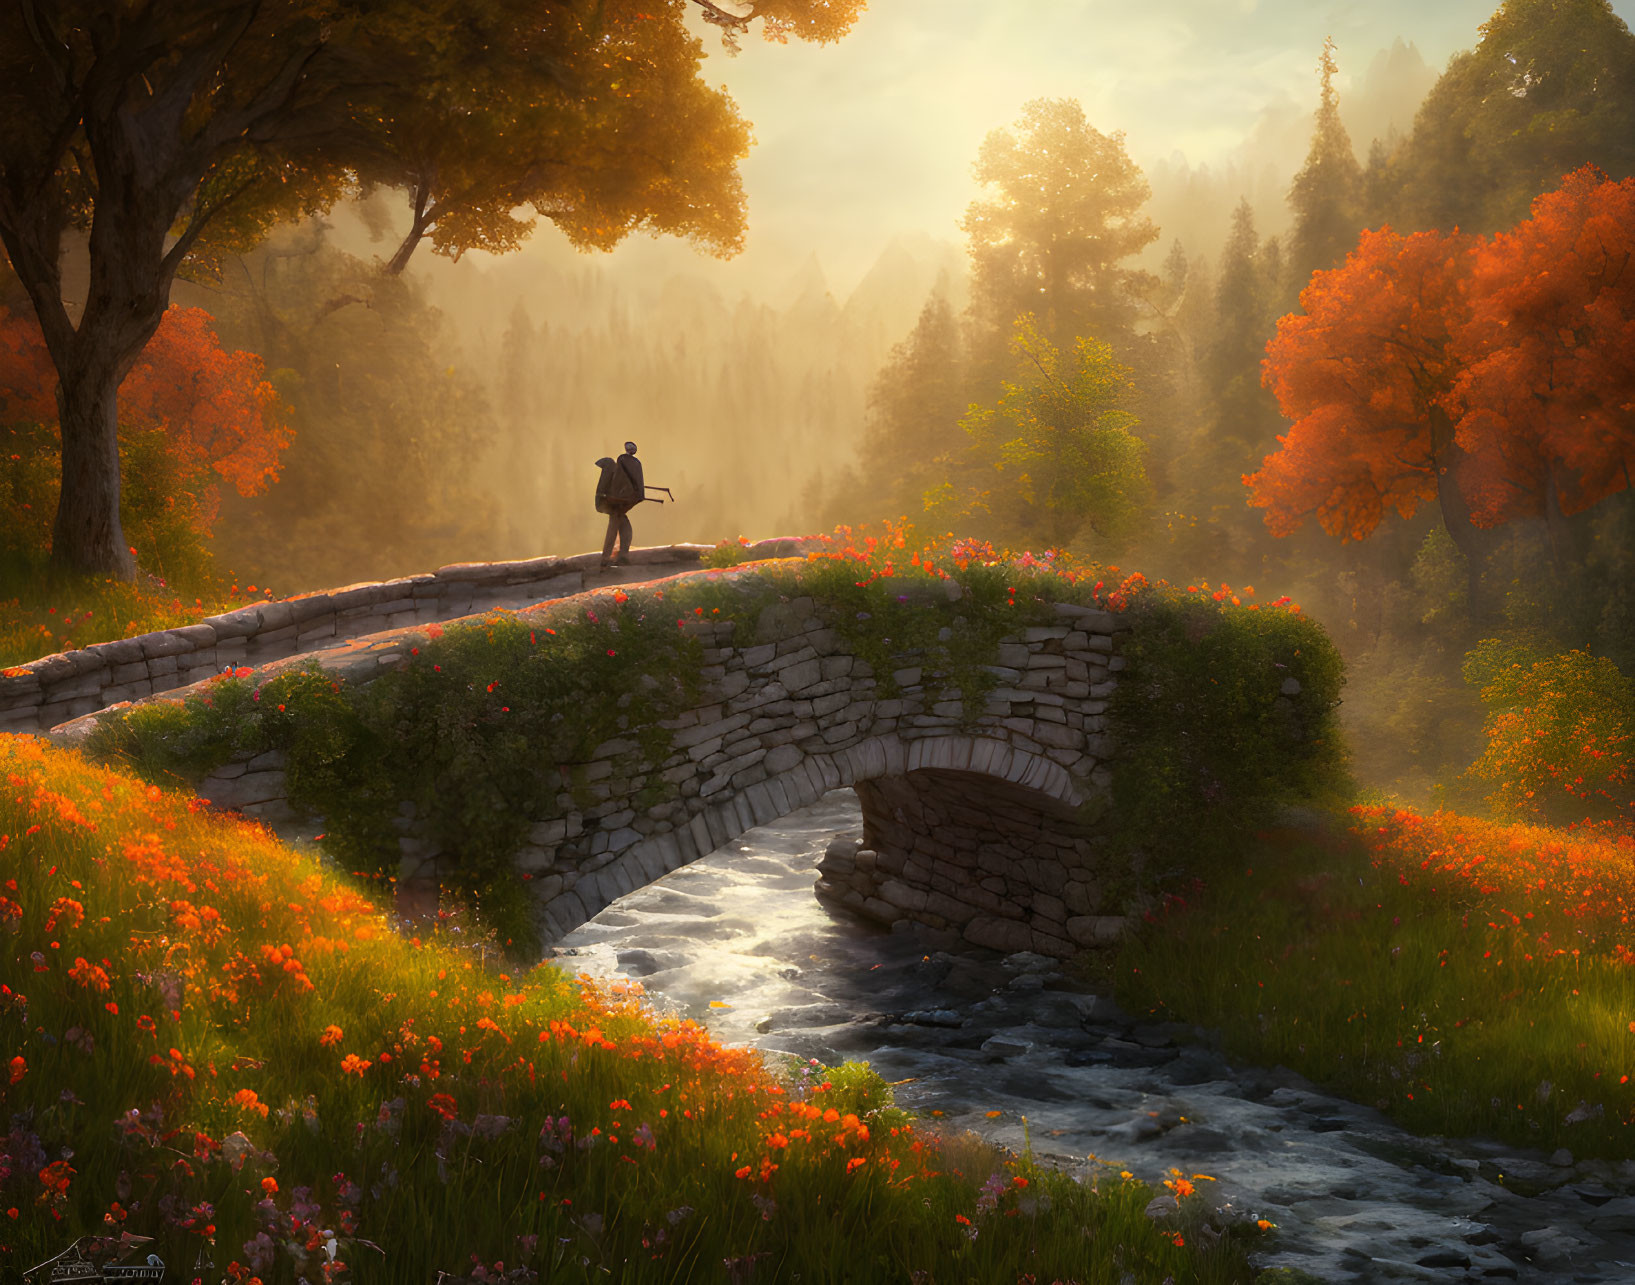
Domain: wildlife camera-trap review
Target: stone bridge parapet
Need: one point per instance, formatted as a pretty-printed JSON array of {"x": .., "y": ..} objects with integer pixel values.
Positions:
[{"x": 57, "y": 688}]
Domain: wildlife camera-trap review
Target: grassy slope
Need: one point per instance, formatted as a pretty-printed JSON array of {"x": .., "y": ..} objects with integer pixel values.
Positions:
[
  {"x": 208, "y": 1037},
  {"x": 42, "y": 613},
  {"x": 1467, "y": 977}
]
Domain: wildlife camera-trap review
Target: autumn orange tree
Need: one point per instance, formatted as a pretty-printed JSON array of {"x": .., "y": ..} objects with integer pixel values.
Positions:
[
  {"x": 1494, "y": 377},
  {"x": 1365, "y": 374},
  {"x": 215, "y": 417},
  {"x": 1547, "y": 393}
]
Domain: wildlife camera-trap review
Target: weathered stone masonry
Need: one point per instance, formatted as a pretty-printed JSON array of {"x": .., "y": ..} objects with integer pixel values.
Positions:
[
  {"x": 56, "y": 688},
  {"x": 976, "y": 828}
]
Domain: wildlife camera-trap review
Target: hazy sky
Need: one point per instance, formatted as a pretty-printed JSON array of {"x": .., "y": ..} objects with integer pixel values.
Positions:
[{"x": 876, "y": 135}]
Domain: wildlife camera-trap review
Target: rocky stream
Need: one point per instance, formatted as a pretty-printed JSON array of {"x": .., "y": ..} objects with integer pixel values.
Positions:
[{"x": 972, "y": 1032}]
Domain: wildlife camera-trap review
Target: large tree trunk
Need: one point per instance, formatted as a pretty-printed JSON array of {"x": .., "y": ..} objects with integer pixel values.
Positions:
[
  {"x": 1469, "y": 540},
  {"x": 136, "y": 96},
  {"x": 87, "y": 536},
  {"x": 123, "y": 307},
  {"x": 129, "y": 285}
]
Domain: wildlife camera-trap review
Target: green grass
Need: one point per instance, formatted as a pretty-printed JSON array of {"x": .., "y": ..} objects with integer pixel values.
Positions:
[
  {"x": 216, "y": 1041},
  {"x": 44, "y": 611},
  {"x": 1463, "y": 976}
]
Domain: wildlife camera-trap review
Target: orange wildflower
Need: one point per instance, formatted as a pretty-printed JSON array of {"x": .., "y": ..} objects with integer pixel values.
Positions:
[
  {"x": 247, "y": 1100},
  {"x": 444, "y": 1105},
  {"x": 89, "y": 975}
]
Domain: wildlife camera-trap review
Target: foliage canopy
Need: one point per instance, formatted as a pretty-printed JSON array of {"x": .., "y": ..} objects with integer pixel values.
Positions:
[
  {"x": 1063, "y": 216},
  {"x": 1058, "y": 445},
  {"x": 176, "y": 132},
  {"x": 1549, "y": 87},
  {"x": 1493, "y": 376}
]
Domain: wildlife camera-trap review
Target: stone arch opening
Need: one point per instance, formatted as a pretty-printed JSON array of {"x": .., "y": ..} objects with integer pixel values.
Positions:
[
  {"x": 963, "y": 834},
  {"x": 979, "y": 857}
]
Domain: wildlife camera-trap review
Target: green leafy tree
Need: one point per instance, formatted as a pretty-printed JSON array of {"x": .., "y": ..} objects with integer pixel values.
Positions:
[
  {"x": 180, "y": 131},
  {"x": 1326, "y": 193},
  {"x": 1549, "y": 88},
  {"x": 1056, "y": 455},
  {"x": 1056, "y": 233}
]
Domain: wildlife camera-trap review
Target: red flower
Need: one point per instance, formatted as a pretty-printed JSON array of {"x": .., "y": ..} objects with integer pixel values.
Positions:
[{"x": 444, "y": 1105}]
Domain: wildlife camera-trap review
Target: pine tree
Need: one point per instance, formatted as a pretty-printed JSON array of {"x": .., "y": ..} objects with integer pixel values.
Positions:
[
  {"x": 1243, "y": 299},
  {"x": 1326, "y": 192},
  {"x": 914, "y": 409},
  {"x": 1381, "y": 179},
  {"x": 1239, "y": 419},
  {"x": 1172, "y": 281}
]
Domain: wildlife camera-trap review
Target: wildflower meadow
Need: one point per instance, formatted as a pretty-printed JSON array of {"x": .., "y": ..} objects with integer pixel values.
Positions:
[
  {"x": 217, "y": 1044},
  {"x": 1464, "y": 976}
]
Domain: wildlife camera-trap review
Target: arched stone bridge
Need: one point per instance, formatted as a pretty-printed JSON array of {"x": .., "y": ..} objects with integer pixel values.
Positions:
[{"x": 973, "y": 825}]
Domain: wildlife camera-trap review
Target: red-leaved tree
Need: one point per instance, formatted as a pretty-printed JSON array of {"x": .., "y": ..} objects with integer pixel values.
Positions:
[
  {"x": 1547, "y": 394},
  {"x": 1495, "y": 377},
  {"x": 1365, "y": 373},
  {"x": 222, "y": 420}
]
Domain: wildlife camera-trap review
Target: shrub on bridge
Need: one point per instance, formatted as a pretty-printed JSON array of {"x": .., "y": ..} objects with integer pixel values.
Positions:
[
  {"x": 938, "y": 605},
  {"x": 1225, "y": 712},
  {"x": 728, "y": 553}
]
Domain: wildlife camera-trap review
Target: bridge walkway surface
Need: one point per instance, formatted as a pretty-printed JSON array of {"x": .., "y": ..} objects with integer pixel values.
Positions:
[{"x": 351, "y": 620}]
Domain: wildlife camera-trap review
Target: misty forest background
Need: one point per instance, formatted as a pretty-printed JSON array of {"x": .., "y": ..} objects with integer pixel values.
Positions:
[{"x": 453, "y": 412}]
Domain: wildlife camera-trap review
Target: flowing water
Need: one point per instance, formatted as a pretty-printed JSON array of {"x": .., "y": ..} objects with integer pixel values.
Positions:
[{"x": 1355, "y": 1199}]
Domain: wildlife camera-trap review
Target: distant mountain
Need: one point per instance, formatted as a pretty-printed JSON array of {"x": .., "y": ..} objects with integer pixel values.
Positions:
[
  {"x": 1383, "y": 102},
  {"x": 883, "y": 308}
]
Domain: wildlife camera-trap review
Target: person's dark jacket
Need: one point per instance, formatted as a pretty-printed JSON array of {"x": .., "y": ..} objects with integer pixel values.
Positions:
[{"x": 633, "y": 467}]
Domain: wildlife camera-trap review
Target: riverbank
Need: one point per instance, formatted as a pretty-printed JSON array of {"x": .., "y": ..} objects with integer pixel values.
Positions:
[
  {"x": 1010, "y": 1048},
  {"x": 217, "y": 1041}
]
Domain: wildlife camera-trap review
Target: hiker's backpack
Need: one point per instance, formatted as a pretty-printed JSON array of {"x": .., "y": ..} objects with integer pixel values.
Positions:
[
  {"x": 621, "y": 487},
  {"x": 608, "y": 466}
]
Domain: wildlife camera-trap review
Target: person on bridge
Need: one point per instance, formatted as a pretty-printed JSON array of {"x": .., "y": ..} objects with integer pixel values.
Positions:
[{"x": 621, "y": 489}]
